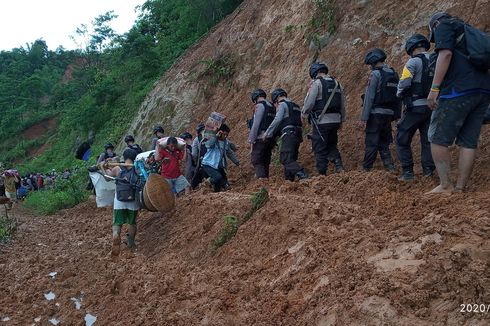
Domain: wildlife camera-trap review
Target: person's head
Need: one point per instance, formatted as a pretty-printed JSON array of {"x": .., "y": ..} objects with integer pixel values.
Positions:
[
  {"x": 109, "y": 148},
  {"x": 318, "y": 70},
  {"x": 278, "y": 95},
  {"x": 258, "y": 95},
  {"x": 187, "y": 137},
  {"x": 172, "y": 143},
  {"x": 224, "y": 131},
  {"x": 434, "y": 22},
  {"x": 200, "y": 128},
  {"x": 129, "y": 155},
  {"x": 158, "y": 131},
  {"x": 129, "y": 140},
  {"x": 416, "y": 44},
  {"x": 375, "y": 57}
]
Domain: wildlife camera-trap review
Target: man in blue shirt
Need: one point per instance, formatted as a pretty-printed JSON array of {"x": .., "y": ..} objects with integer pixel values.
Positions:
[{"x": 459, "y": 97}]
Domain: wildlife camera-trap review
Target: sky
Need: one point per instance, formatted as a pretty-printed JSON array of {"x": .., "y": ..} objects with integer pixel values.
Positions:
[{"x": 24, "y": 21}]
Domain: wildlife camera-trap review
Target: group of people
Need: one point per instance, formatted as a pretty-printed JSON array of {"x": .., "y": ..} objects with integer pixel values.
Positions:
[
  {"x": 443, "y": 95},
  {"x": 16, "y": 187}
]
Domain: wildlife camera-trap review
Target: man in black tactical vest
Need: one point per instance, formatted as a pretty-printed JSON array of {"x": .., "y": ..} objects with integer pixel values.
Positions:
[
  {"x": 324, "y": 107},
  {"x": 261, "y": 150},
  {"x": 287, "y": 124},
  {"x": 413, "y": 88},
  {"x": 380, "y": 108}
]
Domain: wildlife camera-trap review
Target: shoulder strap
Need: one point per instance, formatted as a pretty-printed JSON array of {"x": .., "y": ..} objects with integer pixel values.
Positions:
[{"x": 320, "y": 117}]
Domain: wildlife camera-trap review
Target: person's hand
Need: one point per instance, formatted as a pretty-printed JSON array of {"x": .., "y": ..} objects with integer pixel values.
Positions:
[
  {"x": 219, "y": 133},
  {"x": 432, "y": 100}
]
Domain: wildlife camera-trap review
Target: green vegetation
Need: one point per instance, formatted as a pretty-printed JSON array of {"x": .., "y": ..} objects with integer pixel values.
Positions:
[
  {"x": 290, "y": 29},
  {"x": 65, "y": 194},
  {"x": 324, "y": 16},
  {"x": 8, "y": 226},
  {"x": 232, "y": 223},
  {"x": 219, "y": 69},
  {"x": 95, "y": 91}
]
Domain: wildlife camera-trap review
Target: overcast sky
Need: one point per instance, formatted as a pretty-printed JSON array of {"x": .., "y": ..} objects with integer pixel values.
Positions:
[{"x": 24, "y": 21}]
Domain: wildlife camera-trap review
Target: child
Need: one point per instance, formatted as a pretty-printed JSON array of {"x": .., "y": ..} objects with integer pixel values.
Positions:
[
  {"x": 125, "y": 205},
  {"x": 214, "y": 162},
  {"x": 171, "y": 155}
]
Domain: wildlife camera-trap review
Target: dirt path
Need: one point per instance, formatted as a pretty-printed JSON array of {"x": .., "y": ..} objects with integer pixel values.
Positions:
[{"x": 318, "y": 253}]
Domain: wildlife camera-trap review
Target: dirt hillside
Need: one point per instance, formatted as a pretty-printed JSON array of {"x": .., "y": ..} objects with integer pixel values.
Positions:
[{"x": 345, "y": 249}]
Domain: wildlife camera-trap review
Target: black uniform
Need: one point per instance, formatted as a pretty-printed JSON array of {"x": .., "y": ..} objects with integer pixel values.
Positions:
[{"x": 262, "y": 150}]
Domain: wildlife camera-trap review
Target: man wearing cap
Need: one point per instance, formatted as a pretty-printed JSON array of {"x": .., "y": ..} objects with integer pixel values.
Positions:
[{"x": 459, "y": 97}]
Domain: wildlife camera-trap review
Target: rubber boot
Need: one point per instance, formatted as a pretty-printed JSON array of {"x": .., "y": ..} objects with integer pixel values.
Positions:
[
  {"x": 130, "y": 240},
  {"x": 302, "y": 175},
  {"x": 339, "y": 167},
  {"x": 116, "y": 246},
  {"x": 407, "y": 175}
]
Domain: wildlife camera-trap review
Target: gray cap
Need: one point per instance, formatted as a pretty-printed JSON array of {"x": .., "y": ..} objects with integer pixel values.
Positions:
[{"x": 435, "y": 18}]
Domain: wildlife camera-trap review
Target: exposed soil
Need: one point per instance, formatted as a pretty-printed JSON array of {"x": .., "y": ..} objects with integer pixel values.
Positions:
[{"x": 39, "y": 129}]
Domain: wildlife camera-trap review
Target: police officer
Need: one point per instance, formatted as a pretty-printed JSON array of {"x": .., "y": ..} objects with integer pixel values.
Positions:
[
  {"x": 287, "y": 124},
  {"x": 380, "y": 108},
  {"x": 414, "y": 87},
  {"x": 324, "y": 105},
  {"x": 158, "y": 132},
  {"x": 261, "y": 150},
  {"x": 129, "y": 140}
]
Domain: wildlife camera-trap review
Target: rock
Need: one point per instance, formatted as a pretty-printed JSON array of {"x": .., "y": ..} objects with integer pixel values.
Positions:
[{"x": 357, "y": 41}]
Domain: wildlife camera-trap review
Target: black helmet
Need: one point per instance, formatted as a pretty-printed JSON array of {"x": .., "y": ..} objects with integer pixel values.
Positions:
[
  {"x": 416, "y": 41},
  {"x": 277, "y": 93},
  {"x": 433, "y": 20},
  {"x": 316, "y": 68},
  {"x": 258, "y": 93},
  {"x": 158, "y": 129},
  {"x": 128, "y": 138},
  {"x": 108, "y": 145},
  {"x": 185, "y": 135},
  {"x": 130, "y": 154},
  {"x": 200, "y": 128},
  {"x": 374, "y": 56}
]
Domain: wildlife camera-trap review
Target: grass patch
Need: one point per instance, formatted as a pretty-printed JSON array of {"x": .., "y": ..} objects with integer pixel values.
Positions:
[
  {"x": 219, "y": 69},
  {"x": 65, "y": 194},
  {"x": 232, "y": 223},
  {"x": 8, "y": 226},
  {"x": 324, "y": 16}
]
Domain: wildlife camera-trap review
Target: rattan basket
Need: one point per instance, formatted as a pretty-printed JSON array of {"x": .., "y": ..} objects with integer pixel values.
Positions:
[{"x": 159, "y": 193}]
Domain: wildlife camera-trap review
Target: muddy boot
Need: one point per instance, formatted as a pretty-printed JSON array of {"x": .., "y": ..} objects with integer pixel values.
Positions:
[
  {"x": 407, "y": 175},
  {"x": 339, "y": 167},
  {"x": 116, "y": 246},
  {"x": 390, "y": 167},
  {"x": 131, "y": 244},
  {"x": 302, "y": 175}
]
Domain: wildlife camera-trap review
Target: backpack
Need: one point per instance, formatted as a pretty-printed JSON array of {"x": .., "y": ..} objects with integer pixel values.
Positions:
[
  {"x": 269, "y": 115},
  {"x": 422, "y": 89},
  {"x": 126, "y": 185},
  {"x": 477, "y": 47},
  {"x": 387, "y": 88},
  {"x": 328, "y": 85}
]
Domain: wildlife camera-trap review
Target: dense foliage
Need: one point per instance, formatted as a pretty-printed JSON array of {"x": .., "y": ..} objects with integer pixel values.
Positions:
[{"x": 96, "y": 90}]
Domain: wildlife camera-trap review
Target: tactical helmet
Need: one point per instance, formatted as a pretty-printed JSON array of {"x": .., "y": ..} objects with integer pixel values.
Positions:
[
  {"x": 108, "y": 145},
  {"x": 433, "y": 20},
  {"x": 129, "y": 154},
  {"x": 374, "y": 56},
  {"x": 158, "y": 129},
  {"x": 128, "y": 138},
  {"x": 277, "y": 93},
  {"x": 316, "y": 68},
  {"x": 416, "y": 41},
  {"x": 200, "y": 128},
  {"x": 185, "y": 135},
  {"x": 258, "y": 93}
]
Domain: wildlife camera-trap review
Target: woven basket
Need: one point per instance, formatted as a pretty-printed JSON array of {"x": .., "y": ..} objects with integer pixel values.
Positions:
[
  {"x": 159, "y": 193},
  {"x": 146, "y": 203}
]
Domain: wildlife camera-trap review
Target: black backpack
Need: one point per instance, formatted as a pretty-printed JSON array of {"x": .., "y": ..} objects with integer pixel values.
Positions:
[
  {"x": 269, "y": 115},
  {"x": 126, "y": 185},
  {"x": 387, "y": 88},
  {"x": 477, "y": 47}
]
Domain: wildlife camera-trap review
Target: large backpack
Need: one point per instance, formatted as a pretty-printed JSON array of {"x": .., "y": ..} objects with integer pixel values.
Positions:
[
  {"x": 126, "y": 185},
  {"x": 477, "y": 47},
  {"x": 335, "y": 106},
  {"x": 269, "y": 115},
  {"x": 387, "y": 88}
]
